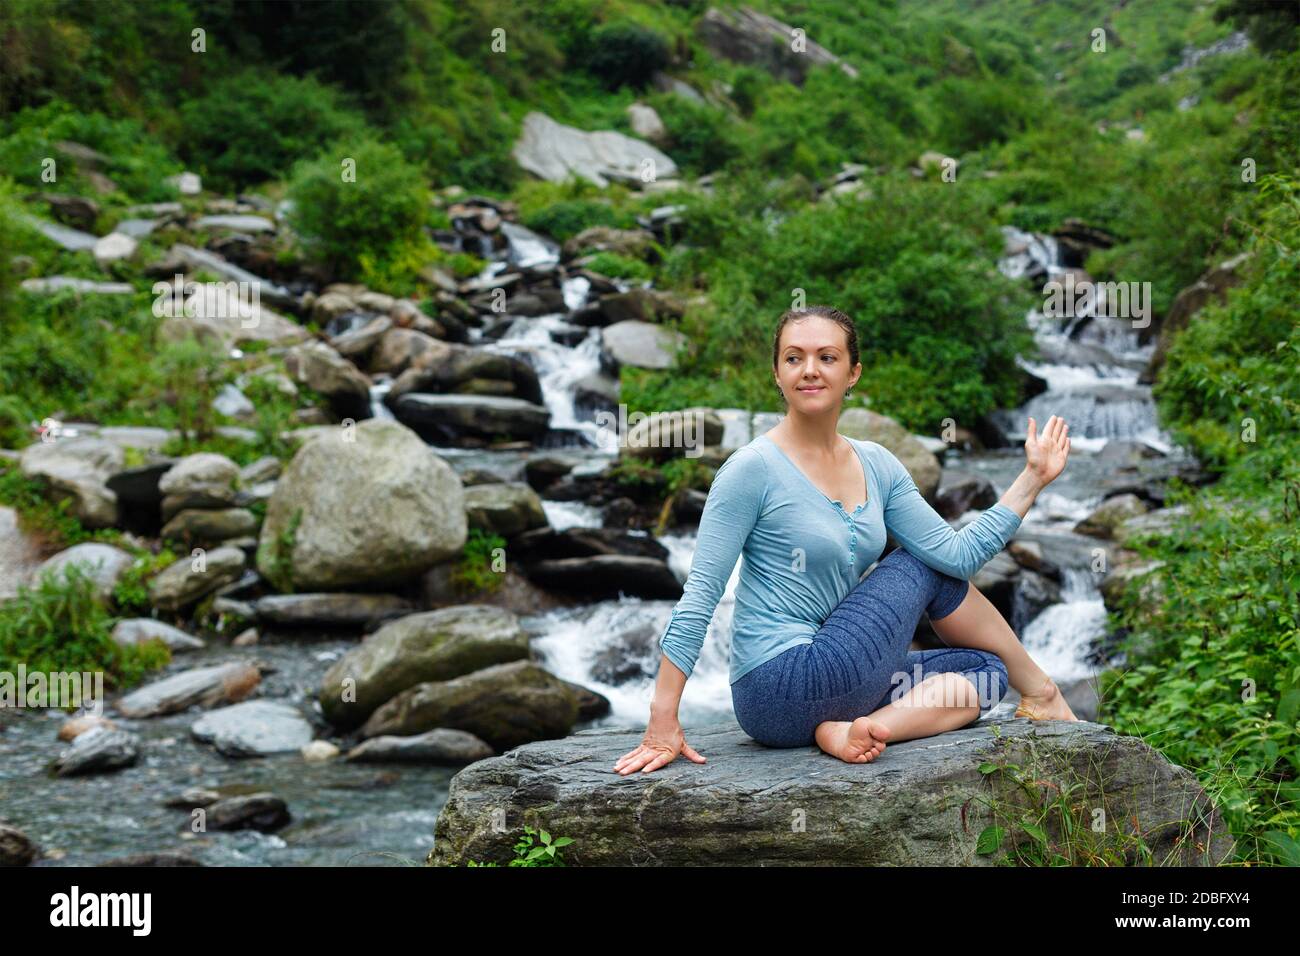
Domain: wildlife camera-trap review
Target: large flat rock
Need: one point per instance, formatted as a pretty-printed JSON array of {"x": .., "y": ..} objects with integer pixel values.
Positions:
[{"x": 922, "y": 802}]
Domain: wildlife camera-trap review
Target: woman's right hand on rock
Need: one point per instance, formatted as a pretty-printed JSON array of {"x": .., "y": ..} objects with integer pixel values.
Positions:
[{"x": 663, "y": 741}]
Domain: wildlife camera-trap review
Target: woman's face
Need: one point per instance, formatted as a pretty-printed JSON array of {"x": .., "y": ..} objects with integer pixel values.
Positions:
[{"x": 812, "y": 366}]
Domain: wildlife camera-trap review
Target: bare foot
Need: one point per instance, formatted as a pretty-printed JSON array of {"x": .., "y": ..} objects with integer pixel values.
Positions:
[
  {"x": 864, "y": 741},
  {"x": 1048, "y": 704}
]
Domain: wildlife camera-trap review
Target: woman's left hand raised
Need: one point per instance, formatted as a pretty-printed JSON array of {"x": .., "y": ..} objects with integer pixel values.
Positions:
[{"x": 1046, "y": 453}]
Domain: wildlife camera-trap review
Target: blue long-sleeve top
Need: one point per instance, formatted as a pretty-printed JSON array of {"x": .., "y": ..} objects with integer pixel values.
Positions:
[{"x": 803, "y": 552}]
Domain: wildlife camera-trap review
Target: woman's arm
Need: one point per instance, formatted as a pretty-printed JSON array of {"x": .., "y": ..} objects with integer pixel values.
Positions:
[
  {"x": 730, "y": 512},
  {"x": 928, "y": 536},
  {"x": 924, "y": 532}
]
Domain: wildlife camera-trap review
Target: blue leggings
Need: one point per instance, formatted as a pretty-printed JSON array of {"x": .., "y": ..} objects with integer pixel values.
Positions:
[{"x": 859, "y": 660}]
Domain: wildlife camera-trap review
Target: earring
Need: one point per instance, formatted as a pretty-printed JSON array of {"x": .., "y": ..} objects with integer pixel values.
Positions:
[{"x": 848, "y": 392}]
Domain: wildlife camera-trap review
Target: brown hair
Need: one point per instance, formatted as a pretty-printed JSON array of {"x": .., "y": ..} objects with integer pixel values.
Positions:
[{"x": 826, "y": 312}]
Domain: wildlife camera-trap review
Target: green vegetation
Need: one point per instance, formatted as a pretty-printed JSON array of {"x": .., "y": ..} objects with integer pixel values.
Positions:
[
  {"x": 475, "y": 572},
  {"x": 249, "y": 127},
  {"x": 131, "y": 593},
  {"x": 48, "y": 520},
  {"x": 1048, "y": 812},
  {"x": 530, "y": 852},
  {"x": 59, "y": 624},
  {"x": 359, "y": 198},
  {"x": 275, "y": 556},
  {"x": 1214, "y": 675}
]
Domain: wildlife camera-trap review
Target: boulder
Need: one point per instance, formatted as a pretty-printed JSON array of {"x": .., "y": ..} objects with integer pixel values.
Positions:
[
  {"x": 98, "y": 750},
  {"x": 547, "y": 544},
  {"x": 103, "y": 563},
  {"x": 16, "y": 847},
  {"x": 645, "y": 122},
  {"x": 747, "y": 36},
  {"x": 626, "y": 242},
  {"x": 641, "y": 344},
  {"x": 52, "y": 284},
  {"x": 336, "y": 610},
  {"x": 866, "y": 425},
  {"x": 180, "y": 585},
  {"x": 200, "y": 686},
  {"x": 446, "y": 367},
  {"x": 397, "y": 349},
  {"x": 431, "y": 646},
  {"x": 672, "y": 434},
  {"x": 378, "y": 509},
  {"x": 19, "y": 553},
  {"x": 504, "y": 508},
  {"x": 355, "y": 345},
  {"x": 70, "y": 210},
  {"x": 555, "y": 152},
  {"x": 74, "y": 727},
  {"x": 113, "y": 247},
  {"x": 1110, "y": 514},
  {"x": 237, "y": 223},
  {"x": 441, "y": 746},
  {"x": 133, "y": 631},
  {"x": 261, "y": 811},
  {"x": 959, "y": 494},
  {"x": 923, "y": 802},
  {"x": 446, "y": 418},
  {"x": 253, "y": 728},
  {"x": 77, "y": 469},
  {"x": 505, "y": 706},
  {"x": 204, "y": 480},
  {"x": 607, "y": 576},
  {"x": 1159, "y": 522},
  {"x": 194, "y": 527},
  {"x": 323, "y": 370},
  {"x": 73, "y": 240},
  {"x": 641, "y": 305}
]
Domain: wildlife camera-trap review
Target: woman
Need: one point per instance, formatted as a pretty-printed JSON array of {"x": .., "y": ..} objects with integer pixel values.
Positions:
[{"x": 818, "y": 653}]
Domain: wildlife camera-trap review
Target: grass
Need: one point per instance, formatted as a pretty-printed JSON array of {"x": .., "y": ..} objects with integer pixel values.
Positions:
[
  {"x": 59, "y": 624},
  {"x": 1047, "y": 813}
]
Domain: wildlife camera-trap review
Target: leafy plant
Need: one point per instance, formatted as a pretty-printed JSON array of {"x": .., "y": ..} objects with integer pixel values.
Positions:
[
  {"x": 275, "y": 556},
  {"x": 60, "y": 624},
  {"x": 248, "y": 127},
  {"x": 358, "y": 198},
  {"x": 131, "y": 593},
  {"x": 473, "y": 572},
  {"x": 191, "y": 369},
  {"x": 530, "y": 852}
]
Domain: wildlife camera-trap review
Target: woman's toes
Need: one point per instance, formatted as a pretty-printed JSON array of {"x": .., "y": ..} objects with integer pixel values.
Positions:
[{"x": 864, "y": 742}]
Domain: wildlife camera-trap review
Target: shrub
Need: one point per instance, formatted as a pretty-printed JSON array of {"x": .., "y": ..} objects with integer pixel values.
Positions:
[
  {"x": 137, "y": 162},
  {"x": 619, "y": 267},
  {"x": 569, "y": 217},
  {"x": 190, "y": 370},
  {"x": 59, "y": 624},
  {"x": 253, "y": 126},
  {"x": 339, "y": 220},
  {"x": 474, "y": 573},
  {"x": 625, "y": 54}
]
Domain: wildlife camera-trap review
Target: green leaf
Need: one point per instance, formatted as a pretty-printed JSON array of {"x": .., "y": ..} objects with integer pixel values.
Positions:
[{"x": 989, "y": 840}]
